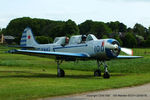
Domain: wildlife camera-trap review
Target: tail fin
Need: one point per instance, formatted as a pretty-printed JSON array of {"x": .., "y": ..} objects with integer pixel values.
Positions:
[{"x": 27, "y": 39}]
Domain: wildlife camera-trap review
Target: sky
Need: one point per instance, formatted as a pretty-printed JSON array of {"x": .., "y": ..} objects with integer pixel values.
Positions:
[{"x": 129, "y": 12}]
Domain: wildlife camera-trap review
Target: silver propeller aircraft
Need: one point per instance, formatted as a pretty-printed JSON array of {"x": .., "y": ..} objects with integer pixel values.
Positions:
[{"x": 79, "y": 47}]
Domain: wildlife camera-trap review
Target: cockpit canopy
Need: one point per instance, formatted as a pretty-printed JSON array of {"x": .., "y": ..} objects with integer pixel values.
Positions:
[
  {"x": 59, "y": 40},
  {"x": 77, "y": 39},
  {"x": 91, "y": 37}
]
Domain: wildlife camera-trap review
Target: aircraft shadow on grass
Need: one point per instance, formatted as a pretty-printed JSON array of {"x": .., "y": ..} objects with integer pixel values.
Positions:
[{"x": 20, "y": 74}]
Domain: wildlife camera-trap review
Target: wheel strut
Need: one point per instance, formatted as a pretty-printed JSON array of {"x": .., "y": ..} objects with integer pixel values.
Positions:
[
  {"x": 98, "y": 71},
  {"x": 60, "y": 72}
]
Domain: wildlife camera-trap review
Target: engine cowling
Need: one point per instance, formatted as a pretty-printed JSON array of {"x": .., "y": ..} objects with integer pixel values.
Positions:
[{"x": 112, "y": 48}]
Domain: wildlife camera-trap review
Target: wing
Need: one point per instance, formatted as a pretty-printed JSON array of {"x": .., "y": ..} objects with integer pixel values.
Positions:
[
  {"x": 128, "y": 57},
  {"x": 47, "y": 53}
]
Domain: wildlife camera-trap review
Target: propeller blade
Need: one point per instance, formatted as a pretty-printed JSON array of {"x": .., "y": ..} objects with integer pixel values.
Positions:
[{"x": 127, "y": 51}]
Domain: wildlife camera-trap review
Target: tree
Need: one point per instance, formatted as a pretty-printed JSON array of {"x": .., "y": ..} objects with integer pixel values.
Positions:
[
  {"x": 148, "y": 31},
  {"x": 140, "y": 40},
  {"x": 3, "y": 31},
  {"x": 146, "y": 43},
  {"x": 117, "y": 27},
  {"x": 70, "y": 28},
  {"x": 122, "y": 27},
  {"x": 54, "y": 30},
  {"x": 130, "y": 30},
  {"x": 94, "y": 27},
  {"x": 0, "y": 31},
  {"x": 85, "y": 27},
  {"x": 114, "y": 26},
  {"x": 139, "y": 30},
  {"x": 118, "y": 39},
  {"x": 43, "y": 39},
  {"x": 99, "y": 29},
  {"x": 41, "y": 27},
  {"x": 104, "y": 37},
  {"x": 130, "y": 40}
]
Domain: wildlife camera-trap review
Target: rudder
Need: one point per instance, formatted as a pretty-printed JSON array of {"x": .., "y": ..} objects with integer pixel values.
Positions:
[{"x": 27, "y": 39}]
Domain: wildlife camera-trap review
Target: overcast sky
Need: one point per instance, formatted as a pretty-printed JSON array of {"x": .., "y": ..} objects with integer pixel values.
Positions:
[{"x": 127, "y": 11}]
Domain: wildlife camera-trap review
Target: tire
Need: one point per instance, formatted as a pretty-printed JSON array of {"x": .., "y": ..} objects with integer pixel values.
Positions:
[
  {"x": 97, "y": 73},
  {"x": 106, "y": 75},
  {"x": 61, "y": 73}
]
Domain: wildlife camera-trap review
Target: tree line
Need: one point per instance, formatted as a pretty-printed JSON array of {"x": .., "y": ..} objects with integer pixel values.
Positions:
[{"x": 46, "y": 30}]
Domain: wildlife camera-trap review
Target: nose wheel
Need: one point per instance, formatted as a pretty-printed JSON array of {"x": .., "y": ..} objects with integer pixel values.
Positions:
[{"x": 106, "y": 75}]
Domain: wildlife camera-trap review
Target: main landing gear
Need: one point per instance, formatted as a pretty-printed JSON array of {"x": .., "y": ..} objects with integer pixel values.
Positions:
[
  {"x": 60, "y": 72},
  {"x": 98, "y": 71}
]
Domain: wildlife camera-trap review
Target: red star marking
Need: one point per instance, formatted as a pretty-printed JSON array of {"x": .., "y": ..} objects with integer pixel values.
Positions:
[
  {"x": 103, "y": 43},
  {"x": 29, "y": 37}
]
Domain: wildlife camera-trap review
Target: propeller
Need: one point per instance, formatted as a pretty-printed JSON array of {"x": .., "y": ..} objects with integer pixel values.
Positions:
[
  {"x": 116, "y": 46},
  {"x": 127, "y": 51}
]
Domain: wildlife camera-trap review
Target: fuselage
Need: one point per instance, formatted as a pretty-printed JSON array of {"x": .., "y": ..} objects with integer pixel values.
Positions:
[
  {"x": 91, "y": 46},
  {"x": 95, "y": 48}
]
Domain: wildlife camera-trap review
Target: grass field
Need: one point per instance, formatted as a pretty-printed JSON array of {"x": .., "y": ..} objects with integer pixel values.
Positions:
[{"x": 25, "y": 77}]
